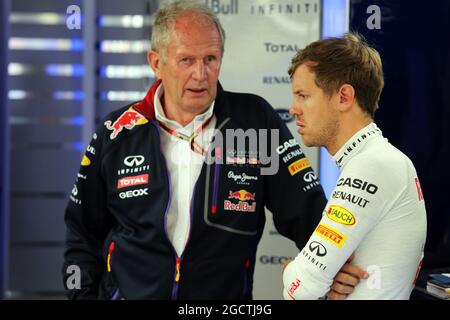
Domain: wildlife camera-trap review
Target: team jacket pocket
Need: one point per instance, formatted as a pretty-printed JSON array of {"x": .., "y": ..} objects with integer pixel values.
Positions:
[{"x": 234, "y": 205}]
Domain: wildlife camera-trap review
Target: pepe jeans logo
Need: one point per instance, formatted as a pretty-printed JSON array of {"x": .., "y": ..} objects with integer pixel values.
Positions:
[{"x": 241, "y": 177}]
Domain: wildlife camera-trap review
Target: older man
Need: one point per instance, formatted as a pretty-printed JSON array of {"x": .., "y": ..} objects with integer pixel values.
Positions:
[{"x": 165, "y": 205}]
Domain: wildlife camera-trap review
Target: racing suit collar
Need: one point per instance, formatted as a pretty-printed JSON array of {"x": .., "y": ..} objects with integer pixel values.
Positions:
[
  {"x": 357, "y": 141},
  {"x": 146, "y": 106}
]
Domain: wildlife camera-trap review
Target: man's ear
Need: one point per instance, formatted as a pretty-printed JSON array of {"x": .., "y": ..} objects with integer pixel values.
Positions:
[
  {"x": 154, "y": 60},
  {"x": 346, "y": 97}
]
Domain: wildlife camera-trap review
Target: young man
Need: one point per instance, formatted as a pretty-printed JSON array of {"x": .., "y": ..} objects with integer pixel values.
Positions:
[{"x": 377, "y": 208}]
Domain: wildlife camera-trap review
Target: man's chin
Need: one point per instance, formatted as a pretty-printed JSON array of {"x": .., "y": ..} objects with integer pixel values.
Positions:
[
  {"x": 198, "y": 105},
  {"x": 308, "y": 143},
  {"x": 197, "y": 108}
]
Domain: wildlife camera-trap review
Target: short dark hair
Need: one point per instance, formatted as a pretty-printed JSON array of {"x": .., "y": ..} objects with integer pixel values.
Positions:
[{"x": 346, "y": 60}]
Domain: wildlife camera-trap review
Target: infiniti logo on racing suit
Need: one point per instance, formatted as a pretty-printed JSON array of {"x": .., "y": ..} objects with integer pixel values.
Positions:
[
  {"x": 74, "y": 194},
  {"x": 134, "y": 161},
  {"x": 318, "y": 248},
  {"x": 134, "y": 164},
  {"x": 310, "y": 177},
  {"x": 75, "y": 190}
]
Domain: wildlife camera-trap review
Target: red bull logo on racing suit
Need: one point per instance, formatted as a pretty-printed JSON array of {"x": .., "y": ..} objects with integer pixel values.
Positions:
[
  {"x": 243, "y": 196},
  {"x": 128, "y": 120}
]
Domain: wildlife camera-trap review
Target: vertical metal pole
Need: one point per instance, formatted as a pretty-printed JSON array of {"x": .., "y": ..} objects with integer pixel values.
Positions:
[
  {"x": 4, "y": 147},
  {"x": 88, "y": 29}
]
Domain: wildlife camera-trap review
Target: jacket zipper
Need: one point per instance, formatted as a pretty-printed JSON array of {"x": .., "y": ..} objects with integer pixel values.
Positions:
[
  {"x": 169, "y": 200},
  {"x": 216, "y": 181},
  {"x": 246, "y": 278},
  {"x": 112, "y": 245},
  {"x": 177, "y": 278},
  {"x": 110, "y": 252},
  {"x": 178, "y": 259}
]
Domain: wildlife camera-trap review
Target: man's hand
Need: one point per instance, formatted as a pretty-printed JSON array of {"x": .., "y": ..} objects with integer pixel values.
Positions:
[
  {"x": 285, "y": 264},
  {"x": 345, "y": 281}
]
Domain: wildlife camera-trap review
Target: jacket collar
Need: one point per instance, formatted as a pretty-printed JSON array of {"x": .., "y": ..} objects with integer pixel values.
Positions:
[{"x": 146, "y": 106}]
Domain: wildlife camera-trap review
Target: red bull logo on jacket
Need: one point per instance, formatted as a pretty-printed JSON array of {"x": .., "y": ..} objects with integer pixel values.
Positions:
[
  {"x": 243, "y": 196},
  {"x": 128, "y": 120}
]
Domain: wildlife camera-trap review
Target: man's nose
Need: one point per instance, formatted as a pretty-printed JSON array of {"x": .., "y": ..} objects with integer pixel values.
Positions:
[
  {"x": 293, "y": 110},
  {"x": 199, "y": 71}
]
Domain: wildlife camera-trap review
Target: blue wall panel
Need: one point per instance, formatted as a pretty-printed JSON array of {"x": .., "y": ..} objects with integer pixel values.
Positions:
[
  {"x": 4, "y": 140},
  {"x": 414, "y": 43}
]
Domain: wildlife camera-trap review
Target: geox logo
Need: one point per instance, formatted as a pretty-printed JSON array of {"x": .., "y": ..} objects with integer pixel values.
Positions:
[{"x": 134, "y": 193}]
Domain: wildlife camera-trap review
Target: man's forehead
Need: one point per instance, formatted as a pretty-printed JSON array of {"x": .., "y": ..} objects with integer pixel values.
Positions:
[
  {"x": 193, "y": 40},
  {"x": 189, "y": 21},
  {"x": 184, "y": 46},
  {"x": 187, "y": 29},
  {"x": 305, "y": 70},
  {"x": 303, "y": 76}
]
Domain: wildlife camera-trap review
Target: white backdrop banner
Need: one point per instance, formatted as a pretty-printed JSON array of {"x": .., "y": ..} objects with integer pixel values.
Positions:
[{"x": 262, "y": 36}]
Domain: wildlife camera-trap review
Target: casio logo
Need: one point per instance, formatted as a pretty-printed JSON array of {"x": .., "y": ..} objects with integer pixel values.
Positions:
[{"x": 358, "y": 184}]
